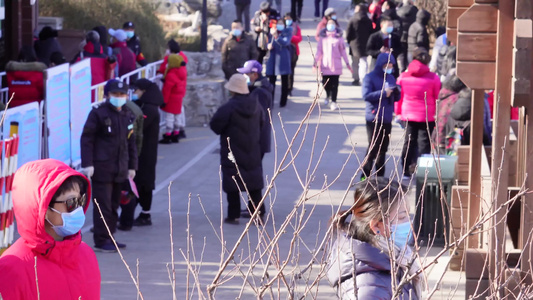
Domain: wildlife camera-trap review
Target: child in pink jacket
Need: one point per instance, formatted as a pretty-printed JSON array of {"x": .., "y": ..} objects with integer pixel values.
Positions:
[{"x": 329, "y": 55}]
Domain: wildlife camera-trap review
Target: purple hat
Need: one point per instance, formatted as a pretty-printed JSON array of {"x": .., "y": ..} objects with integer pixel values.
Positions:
[
  {"x": 251, "y": 66},
  {"x": 119, "y": 34}
]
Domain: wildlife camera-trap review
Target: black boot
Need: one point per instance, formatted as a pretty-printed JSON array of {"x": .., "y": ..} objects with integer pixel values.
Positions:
[
  {"x": 175, "y": 137},
  {"x": 182, "y": 134},
  {"x": 167, "y": 139},
  {"x": 143, "y": 220}
]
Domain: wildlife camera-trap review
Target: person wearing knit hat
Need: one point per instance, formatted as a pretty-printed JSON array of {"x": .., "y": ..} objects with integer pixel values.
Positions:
[
  {"x": 46, "y": 45},
  {"x": 329, "y": 14},
  {"x": 239, "y": 122},
  {"x": 174, "y": 90},
  {"x": 261, "y": 24},
  {"x": 125, "y": 57}
]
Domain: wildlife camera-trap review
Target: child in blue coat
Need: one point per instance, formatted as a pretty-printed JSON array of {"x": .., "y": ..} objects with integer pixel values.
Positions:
[{"x": 379, "y": 92}]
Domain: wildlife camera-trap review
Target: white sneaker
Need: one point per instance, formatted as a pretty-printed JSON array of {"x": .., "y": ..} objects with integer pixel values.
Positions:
[{"x": 333, "y": 106}]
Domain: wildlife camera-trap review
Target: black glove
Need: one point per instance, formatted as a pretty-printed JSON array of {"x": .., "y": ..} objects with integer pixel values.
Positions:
[{"x": 112, "y": 59}]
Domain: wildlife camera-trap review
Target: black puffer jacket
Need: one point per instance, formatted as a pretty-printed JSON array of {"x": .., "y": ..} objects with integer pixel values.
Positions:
[
  {"x": 358, "y": 32},
  {"x": 418, "y": 34},
  {"x": 240, "y": 120},
  {"x": 149, "y": 104},
  {"x": 407, "y": 14},
  {"x": 108, "y": 143},
  {"x": 262, "y": 90}
]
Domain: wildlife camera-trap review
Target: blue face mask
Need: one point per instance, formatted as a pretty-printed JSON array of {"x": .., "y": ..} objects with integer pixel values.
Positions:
[
  {"x": 130, "y": 34},
  {"x": 401, "y": 234},
  {"x": 280, "y": 27},
  {"x": 236, "y": 32},
  {"x": 330, "y": 27},
  {"x": 117, "y": 102},
  {"x": 134, "y": 97},
  {"x": 334, "y": 17},
  {"x": 390, "y": 29},
  {"x": 388, "y": 71},
  {"x": 72, "y": 222},
  {"x": 288, "y": 22}
]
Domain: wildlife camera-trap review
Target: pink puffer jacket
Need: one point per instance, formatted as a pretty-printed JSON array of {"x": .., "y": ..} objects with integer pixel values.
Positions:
[{"x": 420, "y": 90}]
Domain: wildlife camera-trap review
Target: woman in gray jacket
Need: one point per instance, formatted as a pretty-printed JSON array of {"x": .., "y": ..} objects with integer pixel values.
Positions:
[{"x": 370, "y": 258}]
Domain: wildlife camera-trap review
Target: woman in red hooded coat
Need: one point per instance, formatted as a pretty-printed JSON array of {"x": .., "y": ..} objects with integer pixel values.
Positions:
[
  {"x": 174, "y": 90},
  {"x": 49, "y": 261}
]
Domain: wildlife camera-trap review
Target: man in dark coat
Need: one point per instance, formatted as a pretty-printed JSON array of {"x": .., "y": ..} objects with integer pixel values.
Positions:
[
  {"x": 238, "y": 48},
  {"x": 418, "y": 34},
  {"x": 46, "y": 44},
  {"x": 357, "y": 34},
  {"x": 261, "y": 89},
  {"x": 109, "y": 157},
  {"x": 242, "y": 8},
  {"x": 407, "y": 13},
  {"x": 148, "y": 97},
  {"x": 240, "y": 122},
  {"x": 383, "y": 41},
  {"x": 261, "y": 26},
  {"x": 134, "y": 43}
]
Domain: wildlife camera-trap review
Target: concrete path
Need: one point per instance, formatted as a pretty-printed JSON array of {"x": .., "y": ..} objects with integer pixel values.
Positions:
[{"x": 327, "y": 150}]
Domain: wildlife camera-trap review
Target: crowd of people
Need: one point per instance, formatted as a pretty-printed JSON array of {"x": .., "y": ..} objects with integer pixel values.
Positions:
[{"x": 389, "y": 45}]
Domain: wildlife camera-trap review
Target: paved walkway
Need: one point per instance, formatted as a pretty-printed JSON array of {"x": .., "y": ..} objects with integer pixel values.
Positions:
[{"x": 327, "y": 149}]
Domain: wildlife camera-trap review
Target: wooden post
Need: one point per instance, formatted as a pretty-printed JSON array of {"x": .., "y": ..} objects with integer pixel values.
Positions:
[
  {"x": 527, "y": 218},
  {"x": 500, "y": 157},
  {"x": 474, "y": 172}
]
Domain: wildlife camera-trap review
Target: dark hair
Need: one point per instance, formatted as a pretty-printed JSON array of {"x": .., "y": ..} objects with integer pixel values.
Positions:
[
  {"x": 70, "y": 184},
  {"x": 440, "y": 31},
  {"x": 374, "y": 198},
  {"x": 392, "y": 4},
  {"x": 47, "y": 32},
  {"x": 237, "y": 21},
  {"x": 288, "y": 14},
  {"x": 27, "y": 54},
  {"x": 421, "y": 55},
  {"x": 454, "y": 84},
  {"x": 57, "y": 58},
  {"x": 174, "y": 46},
  {"x": 362, "y": 7},
  {"x": 385, "y": 19}
]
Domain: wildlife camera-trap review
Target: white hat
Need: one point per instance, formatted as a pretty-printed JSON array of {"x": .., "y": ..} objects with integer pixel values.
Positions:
[
  {"x": 237, "y": 84},
  {"x": 119, "y": 34}
]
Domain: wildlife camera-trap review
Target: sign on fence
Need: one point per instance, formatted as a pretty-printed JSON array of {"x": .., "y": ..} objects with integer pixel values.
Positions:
[
  {"x": 25, "y": 121},
  {"x": 57, "y": 111},
  {"x": 80, "y": 105}
]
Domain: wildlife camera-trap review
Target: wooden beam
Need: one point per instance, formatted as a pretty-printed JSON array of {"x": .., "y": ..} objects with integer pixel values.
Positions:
[
  {"x": 523, "y": 44},
  {"x": 453, "y": 14},
  {"x": 500, "y": 157},
  {"x": 527, "y": 218},
  {"x": 477, "y": 75},
  {"x": 476, "y": 47},
  {"x": 480, "y": 18},
  {"x": 474, "y": 171},
  {"x": 460, "y": 3}
]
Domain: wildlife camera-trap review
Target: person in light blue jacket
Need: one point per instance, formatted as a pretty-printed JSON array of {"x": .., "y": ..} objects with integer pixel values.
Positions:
[{"x": 279, "y": 61}]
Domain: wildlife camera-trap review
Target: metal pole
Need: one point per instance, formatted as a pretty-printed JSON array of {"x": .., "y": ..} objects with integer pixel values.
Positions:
[{"x": 203, "y": 29}]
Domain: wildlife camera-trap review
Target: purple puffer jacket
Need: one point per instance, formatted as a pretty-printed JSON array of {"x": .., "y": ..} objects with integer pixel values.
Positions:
[
  {"x": 372, "y": 270},
  {"x": 330, "y": 52}
]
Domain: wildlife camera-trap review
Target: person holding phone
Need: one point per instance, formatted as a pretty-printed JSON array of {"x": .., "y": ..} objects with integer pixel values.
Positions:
[{"x": 379, "y": 98}]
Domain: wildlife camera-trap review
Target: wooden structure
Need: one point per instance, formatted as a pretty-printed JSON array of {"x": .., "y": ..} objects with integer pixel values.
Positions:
[{"x": 494, "y": 41}]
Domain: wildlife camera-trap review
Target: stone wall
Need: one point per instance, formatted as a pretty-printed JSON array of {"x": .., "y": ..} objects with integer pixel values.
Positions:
[{"x": 205, "y": 87}]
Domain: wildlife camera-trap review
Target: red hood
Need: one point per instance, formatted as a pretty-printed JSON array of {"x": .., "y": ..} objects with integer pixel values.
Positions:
[
  {"x": 89, "y": 47},
  {"x": 34, "y": 185},
  {"x": 417, "y": 69}
]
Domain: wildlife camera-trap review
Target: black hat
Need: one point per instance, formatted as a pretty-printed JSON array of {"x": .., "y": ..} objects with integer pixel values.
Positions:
[
  {"x": 47, "y": 32},
  {"x": 115, "y": 85},
  {"x": 128, "y": 25},
  {"x": 264, "y": 6}
]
